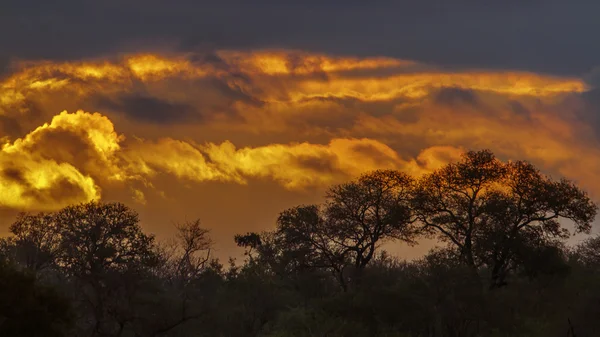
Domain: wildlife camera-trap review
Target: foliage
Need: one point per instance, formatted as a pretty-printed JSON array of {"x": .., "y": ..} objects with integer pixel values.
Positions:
[
  {"x": 29, "y": 309},
  {"x": 503, "y": 268},
  {"x": 342, "y": 235},
  {"x": 492, "y": 211}
]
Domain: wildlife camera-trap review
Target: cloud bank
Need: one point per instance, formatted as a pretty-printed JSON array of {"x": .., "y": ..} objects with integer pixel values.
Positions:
[{"x": 135, "y": 123}]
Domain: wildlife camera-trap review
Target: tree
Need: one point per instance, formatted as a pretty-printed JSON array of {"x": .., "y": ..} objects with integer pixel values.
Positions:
[
  {"x": 486, "y": 208},
  {"x": 191, "y": 252},
  {"x": 102, "y": 237},
  {"x": 107, "y": 257},
  {"x": 588, "y": 252},
  {"x": 29, "y": 309},
  {"x": 251, "y": 241},
  {"x": 35, "y": 243},
  {"x": 187, "y": 276},
  {"x": 346, "y": 231},
  {"x": 364, "y": 213}
]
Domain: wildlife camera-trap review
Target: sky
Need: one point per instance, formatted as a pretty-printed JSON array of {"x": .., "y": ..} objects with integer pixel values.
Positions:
[{"x": 233, "y": 111}]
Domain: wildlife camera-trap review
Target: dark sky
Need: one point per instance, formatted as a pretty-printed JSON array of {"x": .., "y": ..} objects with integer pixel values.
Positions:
[{"x": 552, "y": 36}]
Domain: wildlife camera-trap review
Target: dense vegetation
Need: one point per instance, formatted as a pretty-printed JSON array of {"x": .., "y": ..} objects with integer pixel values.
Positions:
[{"x": 502, "y": 268}]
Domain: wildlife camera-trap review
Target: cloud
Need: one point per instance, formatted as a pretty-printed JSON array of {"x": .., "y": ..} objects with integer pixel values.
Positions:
[
  {"x": 304, "y": 164},
  {"x": 9, "y": 126},
  {"x": 456, "y": 97},
  {"x": 210, "y": 61},
  {"x": 294, "y": 166},
  {"x": 170, "y": 156},
  {"x": 457, "y": 34},
  {"x": 234, "y": 80},
  {"x": 73, "y": 157},
  {"x": 144, "y": 108},
  {"x": 52, "y": 166},
  {"x": 284, "y": 97},
  {"x": 30, "y": 182},
  {"x": 185, "y": 133},
  {"x": 269, "y": 95}
]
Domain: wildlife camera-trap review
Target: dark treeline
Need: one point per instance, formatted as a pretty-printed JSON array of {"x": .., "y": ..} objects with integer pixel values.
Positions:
[{"x": 502, "y": 267}]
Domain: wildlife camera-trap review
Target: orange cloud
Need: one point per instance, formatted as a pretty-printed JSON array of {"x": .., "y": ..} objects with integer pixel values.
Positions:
[
  {"x": 281, "y": 62},
  {"x": 272, "y": 77},
  {"x": 304, "y": 164},
  {"x": 187, "y": 135},
  {"x": 66, "y": 160},
  {"x": 294, "y": 166},
  {"x": 299, "y": 119},
  {"x": 422, "y": 84},
  {"x": 52, "y": 166}
]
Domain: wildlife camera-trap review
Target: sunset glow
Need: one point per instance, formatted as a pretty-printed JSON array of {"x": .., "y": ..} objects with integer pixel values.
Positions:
[{"x": 125, "y": 125}]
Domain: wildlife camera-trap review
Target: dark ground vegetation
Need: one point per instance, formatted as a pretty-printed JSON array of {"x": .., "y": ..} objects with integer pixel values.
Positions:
[{"x": 502, "y": 267}]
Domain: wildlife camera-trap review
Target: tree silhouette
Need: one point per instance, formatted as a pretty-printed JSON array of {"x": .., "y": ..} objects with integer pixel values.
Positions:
[
  {"x": 30, "y": 309},
  {"x": 98, "y": 238},
  {"x": 103, "y": 253},
  {"x": 35, "y": 243},
  {"x": 344, "y": 233},
  {"x": 486, "y": 208},
  {"x": 188, "y": 255},
  {"x": 89, "y": 270}
]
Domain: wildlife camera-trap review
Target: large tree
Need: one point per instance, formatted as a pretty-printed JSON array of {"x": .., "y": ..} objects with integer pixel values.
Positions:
[
  {"x": 345, "y": 231},
  {"x": 35, "y": 242},
  {"x": 106, "y": 256},
  {"x": 119, "y": 279},
  {"x": 102, "y": 237},
  {"x": 490, "y": 210}
]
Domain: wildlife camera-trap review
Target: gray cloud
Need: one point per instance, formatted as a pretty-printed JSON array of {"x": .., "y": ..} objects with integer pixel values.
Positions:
[
  {"x": 588, "y": 109},
  {"x": 499, "y": 34},
  {"x": 14, "y": 174},
  {"x": 146, "y": 108},
  {"x": 456, "y": 96},
  {"x": 318, "y": 164},
  {"x": 9, "y": 126},
  {"x": 518, "y": 108}
]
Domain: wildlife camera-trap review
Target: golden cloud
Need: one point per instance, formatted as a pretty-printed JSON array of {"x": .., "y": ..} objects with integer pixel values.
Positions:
[
  {"x": 299, "y": 119},
  {"x": 65, "y": 161},
  {"x": 52, "y": 165},
  {"x": 281, "y": 62},
  {"x": 272, "y": 76}
]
